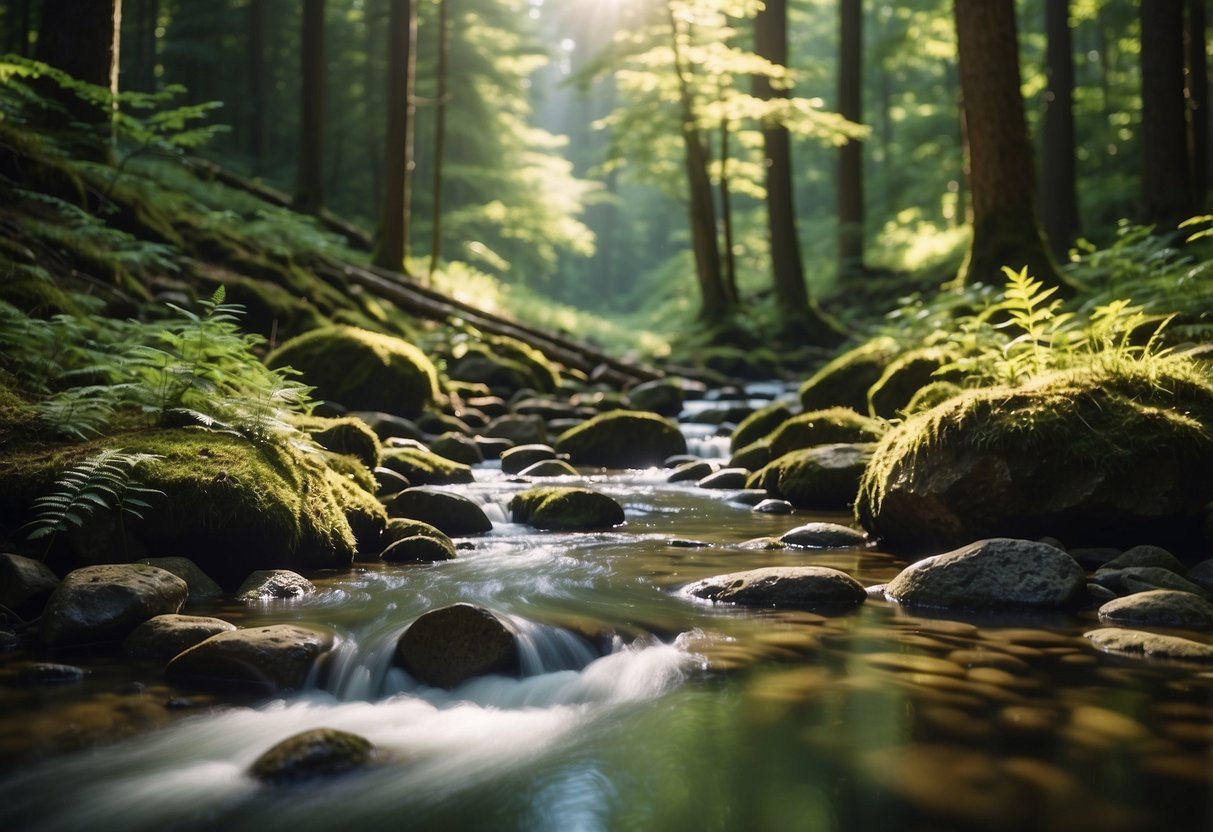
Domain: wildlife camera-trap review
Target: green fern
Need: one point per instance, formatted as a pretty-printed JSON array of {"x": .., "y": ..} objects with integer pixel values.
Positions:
[{"x": 102, "y": 482}]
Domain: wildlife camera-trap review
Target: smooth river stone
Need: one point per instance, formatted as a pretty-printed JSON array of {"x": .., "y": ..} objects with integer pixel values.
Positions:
[
  {"x": 1159, "y": 608},
  {"x": 268, "y": 584},
  {"x": 275, "y": 657},
  {"x": 105, "y": 603},
  {"x": 782, "y": 586},
  {"x": 999, "y": 572},
  {"x": 824, "y": 536},
  {"x": 1150, "y": 645},
  {"x": 321, "y": 752},
  {"x": 162, "y": 637}
]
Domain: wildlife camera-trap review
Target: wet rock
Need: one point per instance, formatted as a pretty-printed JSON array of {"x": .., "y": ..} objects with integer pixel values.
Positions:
[
  {"x": 826, "y": 476},
  {"x": 725, "y": 478},
  {"x": 104, "y": 603},
  {"x": 1151, "y": 556},
  {"x": 519, "y": 457},
  {"x": 748, "y": 497},
  {"x": 549, "y": 468},
  {"x": 835, "y": 426},
  {"x": 267, "y": 584},
  {"x": 772, "y": 506},
  {"x": 435, "y": 423},
  {"x": 452, "y": 514},
  {"x": 388, "y": 425},
  {"x": 1145, "y": 578},
  {"x": 687, "y": 543},
  {"x": 824, "y": 536},
  {"x": 758, "y": 424},
  {"x": 49, "y": 673},
  {"x": 25, "y": 584},
  {"x": 458, "y": 448},
  {"x": 1149, "y": 645},
  {"x": 660, "y": 396},
  {"x": 519, "y": 429},
  {"x": 622, "y": 439},
  {"x": 411, "y": 541},
  {"x": 321, "y": 752},
  {"x": 162, "y": 637},
  {"x": 1000, "y": 572},
  {"x": 844, "y": 382},
  {"x": 448, "y": 646},
  {"x": 492, "y": 447},
  {"x": 752, "y": 456},
  {"x": 560, "y": 508},
  {"x": 200, "y": 584},
  {"x": 1159, "y": 608},
  {"x": 1096, "y": 595},
  {"x": 276, "y": 657},
  {"x": 803, "y": 587},
  {"x": 424, "y": 467},
  {"x": 1202, "y": 574},
  {"x": 695, "y": 469},
  {"x": 388, "y": 481}
]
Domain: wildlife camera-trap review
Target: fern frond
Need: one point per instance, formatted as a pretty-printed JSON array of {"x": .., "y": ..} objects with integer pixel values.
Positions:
[{"x": 102, "y": 482}]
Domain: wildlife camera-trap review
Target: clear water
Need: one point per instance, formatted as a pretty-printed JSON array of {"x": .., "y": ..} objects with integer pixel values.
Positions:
[{"x": 641, "y": 709}]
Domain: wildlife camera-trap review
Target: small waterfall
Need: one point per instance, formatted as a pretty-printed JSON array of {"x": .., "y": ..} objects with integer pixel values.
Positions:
[{"x": 546, "y": 649}]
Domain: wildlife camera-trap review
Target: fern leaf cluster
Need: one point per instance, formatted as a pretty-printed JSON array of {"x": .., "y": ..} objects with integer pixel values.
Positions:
[{"x": 102, "y": 482}]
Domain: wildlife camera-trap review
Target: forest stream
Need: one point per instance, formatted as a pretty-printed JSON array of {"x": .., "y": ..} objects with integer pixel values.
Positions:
[{"x": 639, "y": 707}]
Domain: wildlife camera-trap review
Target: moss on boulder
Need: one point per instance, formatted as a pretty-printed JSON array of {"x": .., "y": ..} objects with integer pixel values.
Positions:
[
  {"x": 825, "y": 476},
  {"x": 823, "y": 427},
  {"x": 412, "y": 541},
  {"x": 422, "y": 467},
  {"x": 759, "y": 424},
  {"x": 565, "y": 509},
  {"x": 845, "y": 381},
  {"x": 904, "y": 377},
  {"x": 348, "y": 435},
  {"x": 1091, "y": 457},
  {"x": 622, "y": 439},
  {"x": 362, "y": 370}
]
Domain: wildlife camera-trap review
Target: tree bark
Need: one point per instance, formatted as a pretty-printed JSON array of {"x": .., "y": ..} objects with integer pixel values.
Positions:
[
  {"x": 1006, "y": 231},
  {"x": 82, "y": 39},
  {"x": 144, "y": 55},
  {"x": 258, "y": 86},
  {"x": 850, "y": 155},
  {"x": 1166, "y": 198},
  {"x": 1197, "y": 88},
  {"x": 443, "y": 68},
  {"x": 309, "y": 179},
  {"x": 702, "y": 212},
  {"x": 1058, "y": 194},
  {"x": 728, "y": 258},
  {"x": 398, "y": 151}
]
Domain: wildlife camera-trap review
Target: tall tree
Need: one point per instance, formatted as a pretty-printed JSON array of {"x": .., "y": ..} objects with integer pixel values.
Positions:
[
  {"x": 140, "y": 59},
  {"x": 701, "y": 210},
  {"x": 850, "y": 155},
  {"x": 1197, "y": 89},
  {"x": 398, "y": 153},
  {"x": 309, "y": 178},
  {"x": 82, "y": 39},
  {"x": 1058, "y": 190},
  {"x": 1166, "y": 198},
  {"x": 440, "y": 105},
  {"x": 258, "y": 86},
  {"x": 1002, "y": 186}
]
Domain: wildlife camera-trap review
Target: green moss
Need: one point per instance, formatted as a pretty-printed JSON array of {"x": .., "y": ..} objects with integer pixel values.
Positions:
[
  {"x": 545, "y": 376},
  {"x": 423, "y": 467},
  {"x": 503, "y": 375},
  {"x": 347, "y": 435},
  {"x": 759, "y": 423},
  {"x": 822, "y": 477},
  {"x": 823, "y": 427},
  {"x": 904, "y": 377},
  {"x": 412, "y": 541},
  {"x": 935, "y": 393},
  {"x": 269, "y": 309},
  {"x": 561, "y": 508},
  {"x": 622, "y": 439},
  {"x": 845, "y": 381},
  {"x": 362, "y": 370}
]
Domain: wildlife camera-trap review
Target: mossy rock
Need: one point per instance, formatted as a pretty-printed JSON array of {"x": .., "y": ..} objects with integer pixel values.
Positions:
[
  {"x": 622, "y": 439},
  {"x": 422, "y": 467},
  {"x": 457, "y": 447},
  {"x": 824, "y": 477},
  {"x": 362, "y": 370},
  {"x": 230, "y": 505},
  {"x": 759, "y": 423},
  {"x": 452, "y": 514},
  {"x": 412, "y": 541},
  {"x": 904, "y": 377},
  {"x": 318, "y": 753},
  {"x": 1091, "y": 457},
  {"x": 823, "y": 427},
  {"x": 558, "y": 508},
  {"x": 845, "y": 381},
  {"x": 935, "y": 393},
  {"x": 504, "y": 365},
  {"x": 546, "y": 376},
  {"x": 752, "y": 457},
  {"x": 347, "y": 435},
  {"x": 269, "y": 309}
]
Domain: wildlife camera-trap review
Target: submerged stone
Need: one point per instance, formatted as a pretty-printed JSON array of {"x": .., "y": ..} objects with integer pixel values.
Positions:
[
  {"x": 268, "y": 584},
  {"x": 802, "y": 587},
  {"x": 448, "y": 646},
  {"x": 1149, "y": 645},
  {"x": 1159, "y": 608},
  {"x": 321, "y": 752}
]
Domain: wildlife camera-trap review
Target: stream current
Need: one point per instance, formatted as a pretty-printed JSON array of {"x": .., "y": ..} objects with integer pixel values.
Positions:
[{"x": 639, "y": 708}]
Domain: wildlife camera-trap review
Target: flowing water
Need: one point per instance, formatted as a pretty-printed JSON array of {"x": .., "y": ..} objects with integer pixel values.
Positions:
[{"x": 639, "y": 708}]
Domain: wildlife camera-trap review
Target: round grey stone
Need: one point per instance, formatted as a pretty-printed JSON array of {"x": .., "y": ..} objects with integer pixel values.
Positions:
[
  {"x": 164, "y": 636},
  {"x": 823, "y": 536},
  {"x": 200, "y": 584},
  {"x": 276, "y": 657},
  {"x": 97, "y": 604},
  {"x": 268, "y": 584},
  {"x": 1149, "y": 645},
  {"x": 1159, "y": 608},
  {"x": 448, "y": 646},
  {"x": 802, "y": 587},
  {"x": 321, "y": 752}
]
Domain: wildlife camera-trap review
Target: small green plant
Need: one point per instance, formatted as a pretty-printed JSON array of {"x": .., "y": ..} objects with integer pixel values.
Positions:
[{"x": 102, "y": 482}]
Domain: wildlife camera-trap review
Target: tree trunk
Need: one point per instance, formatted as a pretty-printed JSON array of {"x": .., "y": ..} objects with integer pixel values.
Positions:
[
  {"x": 258, "y": 86},
  {"x": 1166, "y": 199},
  {"x": 443, "y": 68},
  {"x": 21, "y": 33},
  {"x": 702, "y": 212},
  {"x": 82, "y": 40},
  {"x": 1058, "y": 194},
  {"x": 729, "y": 259},
  {"x": 144, "y": 55},
  {"x": 309, "y": 179},
  {"x": 370, "y": 85},
  {"x": 1197, "y": 77},
  {"x": 398, "y": 151},
  {"x": 1002, "y": 189},
  {"x": 850, "y": 155}
]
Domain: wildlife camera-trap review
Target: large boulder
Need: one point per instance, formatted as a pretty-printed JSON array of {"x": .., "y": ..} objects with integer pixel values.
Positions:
[
  {"x": 801, "y": 587},
  {"x": 905, "y": 376},
  {"x": 448, "y": 646},
  {"x": 823, "y": 427},
  {"x": 452, "y": 514},
  {"x": 565, "y": 509},
  {"x": 320, "y": 752},
  {"x": 162, "y": 637},
  {"x": 200, "y": 584},
  {"x": 1089, "y": 457},
  {"x": 1159, "y": 608},
  {"x": 844, "y": 382},
  {"x": 759, "y": 423},
  {"x": 362, "y": 370},
  {"x": 622, "y": 439},
  {"x": 275, "y": 657},
  {"x": 825, "y": 477},
  {"x": 991, "y": 574},
  {"x": 662, "y": 396},
  {"x": 97, "y": 604},
  {"x": 25, "y": 584}
]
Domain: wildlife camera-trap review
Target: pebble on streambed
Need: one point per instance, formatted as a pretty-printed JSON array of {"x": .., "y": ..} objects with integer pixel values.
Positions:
[{"x": 804, "y": 587}]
